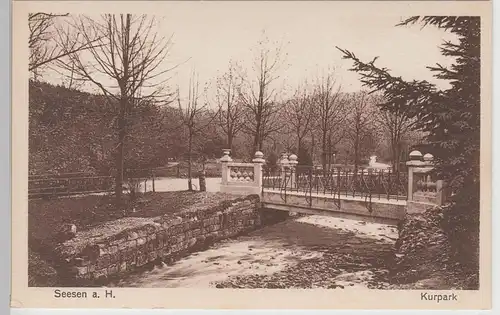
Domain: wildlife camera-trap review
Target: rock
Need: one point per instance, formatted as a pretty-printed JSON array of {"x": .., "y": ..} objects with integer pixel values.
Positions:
[{"x": 66, "y": 232}]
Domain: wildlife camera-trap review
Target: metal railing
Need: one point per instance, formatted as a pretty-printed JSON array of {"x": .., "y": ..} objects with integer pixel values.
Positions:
[
  {"x": 68, "y": 184},
  {"x": 367, "y": 184}
]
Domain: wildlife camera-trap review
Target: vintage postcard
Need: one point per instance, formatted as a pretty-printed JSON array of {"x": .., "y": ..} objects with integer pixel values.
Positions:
[{"x": 248, "y": 154}]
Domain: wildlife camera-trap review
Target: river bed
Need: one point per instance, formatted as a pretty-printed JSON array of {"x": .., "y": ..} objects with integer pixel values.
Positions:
[{"x": 302, "y": 252}]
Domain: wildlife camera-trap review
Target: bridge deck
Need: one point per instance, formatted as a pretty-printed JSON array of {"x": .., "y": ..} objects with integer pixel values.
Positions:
[
  {"x": 392, "y": 200},
  {"x": 388, "y": 211}
]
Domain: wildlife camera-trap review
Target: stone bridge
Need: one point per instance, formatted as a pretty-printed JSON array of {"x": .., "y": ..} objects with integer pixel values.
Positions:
[{"x": 373, "y": 195}]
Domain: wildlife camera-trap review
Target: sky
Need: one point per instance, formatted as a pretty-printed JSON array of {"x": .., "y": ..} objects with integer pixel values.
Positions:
[{"x": 206, "y": 36}]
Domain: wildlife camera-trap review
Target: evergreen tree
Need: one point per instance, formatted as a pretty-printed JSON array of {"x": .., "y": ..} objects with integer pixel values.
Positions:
[{"x": 450, "y": 117}]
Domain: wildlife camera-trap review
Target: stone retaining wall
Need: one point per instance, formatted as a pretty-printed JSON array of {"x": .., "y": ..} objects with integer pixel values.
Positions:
[{"x": 165, "y": 239}]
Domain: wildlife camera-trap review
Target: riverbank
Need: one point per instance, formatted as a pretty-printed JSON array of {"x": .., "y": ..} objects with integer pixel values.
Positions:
[
  {"x": 424, "y": 259},
  {"x": 98, "y": 213}
]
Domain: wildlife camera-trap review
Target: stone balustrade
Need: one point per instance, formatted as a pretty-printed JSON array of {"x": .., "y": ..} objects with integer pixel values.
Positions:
[
  {"x": 424, "y": 190},
  {"x": 242, "y": 178},
  {"x": 241, "y": 172}
]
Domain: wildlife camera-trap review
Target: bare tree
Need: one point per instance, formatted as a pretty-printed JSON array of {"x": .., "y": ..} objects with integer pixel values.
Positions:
[
  {"x": 228, "y": 98},
  {"x": 68, "y": 78},
  {"x": 43, "y": 49},
  {"x": 396, "y": 124},
  {"x": 329, "y": 105},
  {"x": 259, "y": 97},
  {"x": 125, "y": 61},
  {"x": 361, "y": 121},
  {"x": 299, "y": 115},
  {"x": 195, "y": 118}
]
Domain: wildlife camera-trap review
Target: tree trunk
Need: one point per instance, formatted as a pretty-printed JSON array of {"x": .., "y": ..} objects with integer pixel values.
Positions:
[
  {"x": 124, "y": 103},
  {"x": 398, "y": 159},
  {"x": 230, "y": 141},
  {"x": 356, "y": 156},
  {"x": 202, "y": 181},
  {"x": 120, "y": 152},
  {"x": 394, "y": 153},
  {"x": 313, "y": 145},
  {"x": 190, "y": 149},
  {"x": 256, "y": 140},
  {"x": 329, "y": 152},
  {"x": 323, "y": 150},
  {"x": 258, "y": 126}
]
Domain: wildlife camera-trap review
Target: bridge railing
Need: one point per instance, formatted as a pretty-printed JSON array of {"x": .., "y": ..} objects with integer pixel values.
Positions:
[
  {"x": 339, "y": 182},
  {"x": 418, "y": 186}
]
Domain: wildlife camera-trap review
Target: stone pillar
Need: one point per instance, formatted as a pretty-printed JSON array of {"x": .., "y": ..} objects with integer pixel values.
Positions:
[
  {"x": 225, "y": 169},
  {"x": 292, "y": 162},
  {"x": 283, "y": 164},
  {"x": 423, "y": 191},
  {"x": 258, "y": 162},
  {"x": 415, "y": 161},
  {"x": 441, "y": 191},
  {"x": 283, "y": 160}
]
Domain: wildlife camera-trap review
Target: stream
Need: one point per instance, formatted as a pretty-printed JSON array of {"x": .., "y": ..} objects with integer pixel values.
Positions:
[{"x": 301, "y": 252}]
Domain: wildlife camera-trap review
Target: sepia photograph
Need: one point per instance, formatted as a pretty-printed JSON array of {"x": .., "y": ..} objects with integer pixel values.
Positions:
[{"x": 204, "y": 147}]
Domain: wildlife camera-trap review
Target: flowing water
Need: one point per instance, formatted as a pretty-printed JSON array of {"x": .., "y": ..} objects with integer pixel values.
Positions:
[{"x": 310, "y": 251}]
